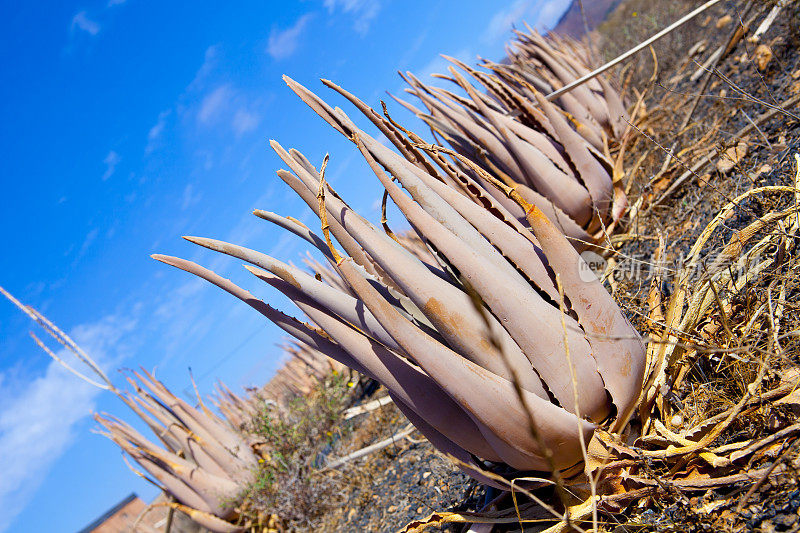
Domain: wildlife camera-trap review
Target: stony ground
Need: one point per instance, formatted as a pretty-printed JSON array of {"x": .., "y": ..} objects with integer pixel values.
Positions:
[{"x": 398, "y": 484}]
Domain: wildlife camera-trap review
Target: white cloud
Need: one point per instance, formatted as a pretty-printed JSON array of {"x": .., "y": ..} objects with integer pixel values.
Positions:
[
  {"x": 283, "y": 43},
  {"x": 207, "y": 101},
  {"x": 218, "y": 106},
  {"x": 244, "y": 121},
  {"x": 364, "y": 11},
  {"x": 111, "y": 161},
  {"x": 538, "y": 13},
  {"x": 551, "y": 13},
  {"x": 87, "y": 242},
  {"x": 189, "y": 197},
  {"x": 37, "y": 424},
  {"x": 82, "y": 22},
  {"x": 154, "y": 134},
  {"x": 210, "y": 60},
  {"x": 503, "y": 20},
  {"x": 213, "y": 102}
]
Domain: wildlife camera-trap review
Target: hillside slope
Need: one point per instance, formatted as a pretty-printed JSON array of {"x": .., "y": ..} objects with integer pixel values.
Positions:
[{"x": 571, "y": 23}]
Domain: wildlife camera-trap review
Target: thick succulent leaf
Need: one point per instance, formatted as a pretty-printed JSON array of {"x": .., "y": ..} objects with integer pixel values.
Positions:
[
  {"x": 178, "y": 427},
  {"x": 478, "y": 131},
  {"x": 209, "y": 521},
  {"x": 541, "y": 142},
  {"x": 217, "y": 491},
  {"x": 386, "y": 128},
  {"x": 174, "y": 486},
  {"x": 568, "y": 225},
  {"x": 378, "y": 277},
  {"x": 541, "y": 339},
  {"x": 210, "y": 430},
  {"x": 290, "y": 325},
  {"x": 306, "y": 187},
  {"x": 447, "y": 308},
  {"x": 311, "y": 99},
  {"x": 482, "y": 393},
  {"x": 297, "y": 228},
  {"x": 581, "y": 93},
  {"x": 597, "y": 180},
  {"x": 496, "y": 225},
  {"x": 168, "y": 440},
  {"x": 344, "y": 305},
  {"x": 616, "y": 109},
  {"x": 617, "y": 347},
  {"x": 417, "y": 182},
  {"x": 212, "y": 489},
  {"x": 404, "y": 380},
  {"x": 545, "y": 177}
]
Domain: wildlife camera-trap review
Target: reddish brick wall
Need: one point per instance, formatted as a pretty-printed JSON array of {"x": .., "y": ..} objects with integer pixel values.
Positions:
[{"x": 123, "y": 519}]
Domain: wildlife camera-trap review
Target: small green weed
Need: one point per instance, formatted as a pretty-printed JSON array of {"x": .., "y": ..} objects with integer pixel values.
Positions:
[{"x": 296, "y": 438}]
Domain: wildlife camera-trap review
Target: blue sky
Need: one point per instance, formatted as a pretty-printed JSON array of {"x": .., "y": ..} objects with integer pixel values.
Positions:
[{"x": 127, "y": 124}]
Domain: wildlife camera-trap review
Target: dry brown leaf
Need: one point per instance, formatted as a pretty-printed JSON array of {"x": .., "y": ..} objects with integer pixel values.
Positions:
[
  {"x": 597, "y": 456},
  {"x": 763, "y": 169},
  {"x": 763, "y": 56},
  {"x": 710, "y": 507},
  {"x": 693, "y": 474},
  {"x": 731, "y": 157}
]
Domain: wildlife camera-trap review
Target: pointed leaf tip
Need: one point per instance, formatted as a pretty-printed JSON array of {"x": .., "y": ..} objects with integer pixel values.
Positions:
[
  {"x": 171, "y": 260},
  {"x": 258, "y": 272},
  {"x": 202, "y": 241}
]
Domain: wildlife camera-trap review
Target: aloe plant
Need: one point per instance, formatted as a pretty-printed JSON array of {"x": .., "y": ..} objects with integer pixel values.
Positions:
[
  {"x": 237, "y": 410},
  {"x": 496, "y": 348},
  {"x": 202, "y": 462},
  {"x": 302, "y": 371},
  {"x": 556, "y": 155}
]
